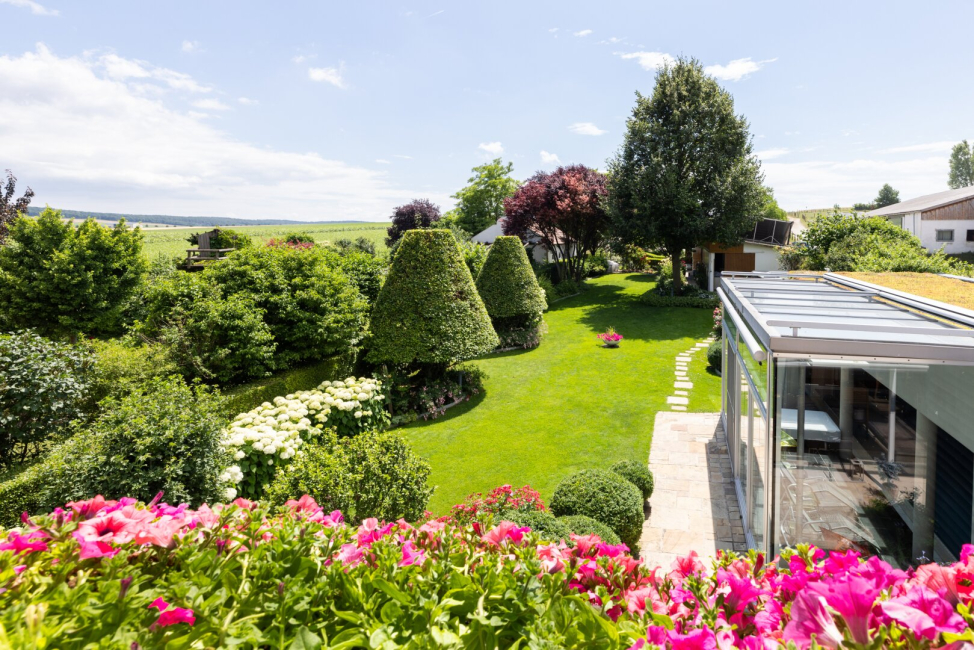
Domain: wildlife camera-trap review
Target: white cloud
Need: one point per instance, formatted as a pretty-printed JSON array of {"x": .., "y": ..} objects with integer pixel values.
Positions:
[
  {"x": 191, "y": 46},
  {"x": 493, "y": 148},
  {"x": 943, "y": 147},
  {"x": 382, "y": 161},
  {"x": 549, "y": 158},
  {"x": 648, "y": 60},
  {"x": 121, "y": 69},
  {"x": 552, "y": 30},
  {"x": 823, "y": 183},
  {"x": 332, "y": 76},
  {"x": 36, "y": 8},
  {"x": 300, "y": 58},
  {"x": 768, "y": 154},
  {"x": 211, "y": 105},
  {"x": 584, "y": 32},
  {"x": 89, "y": 141},
  {"x": 586, "y": 128},
  {"x": 436, "y": 13},
  {"x": 736, "y": 69},
  {"x": 246, "y": 101}
]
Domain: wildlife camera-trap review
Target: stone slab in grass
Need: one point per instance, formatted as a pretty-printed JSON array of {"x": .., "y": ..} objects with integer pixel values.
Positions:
[{"x": 677, "y": 400}]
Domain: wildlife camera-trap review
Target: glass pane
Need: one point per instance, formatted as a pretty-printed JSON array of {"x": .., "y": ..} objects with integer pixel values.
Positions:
[
  {"x": 874, "y": 456},
  {"x": 757, "y": 371},
  {"x": 743, "y": 439},
  {"x": 758, "y": 477}
]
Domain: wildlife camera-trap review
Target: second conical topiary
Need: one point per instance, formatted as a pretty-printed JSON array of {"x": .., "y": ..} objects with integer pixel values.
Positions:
[
  {"x": 429, "y": 311},
  {"x": 511, "y": 294}
]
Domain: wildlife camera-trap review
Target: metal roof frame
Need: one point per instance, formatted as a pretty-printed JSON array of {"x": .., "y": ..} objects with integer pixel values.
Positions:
[{"x": 839, "y": 316}]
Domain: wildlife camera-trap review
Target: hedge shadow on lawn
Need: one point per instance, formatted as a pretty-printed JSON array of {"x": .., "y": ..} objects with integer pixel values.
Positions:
[
  {"x": 460, "y": 409},
  {"x": 640, "y": 322}
]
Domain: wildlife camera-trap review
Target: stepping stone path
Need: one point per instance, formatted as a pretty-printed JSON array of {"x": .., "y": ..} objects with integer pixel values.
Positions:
[{"x": 682, "y": 385}]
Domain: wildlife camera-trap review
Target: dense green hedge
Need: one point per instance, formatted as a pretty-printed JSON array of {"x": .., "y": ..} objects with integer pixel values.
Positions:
[
  {"x": 636, "y": 473},
  {"x": 507, "y": 283},
  {"x": 706, "y": 300},
  {"x": 715, "y": 356},
  {"x": 582, "y": 525},
  {"x": 540, "y": 521},
  {"x": 429, "y": 311},
  {"x": 247, "y": 396},
  {"x": 606, "y": 497}
]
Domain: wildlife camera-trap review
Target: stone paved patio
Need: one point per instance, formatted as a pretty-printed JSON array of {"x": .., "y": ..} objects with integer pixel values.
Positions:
[{"x": 694, "y": 505}]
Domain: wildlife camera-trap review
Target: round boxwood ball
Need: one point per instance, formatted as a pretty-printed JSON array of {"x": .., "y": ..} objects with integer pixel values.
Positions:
[
  {"x": 606, "y": 497},
  {"x": 582, "y": 525},
  {"x": 637, "y": 474},
  {"x": 539, "y": 521},
  {"x": 714, "y": 355}
]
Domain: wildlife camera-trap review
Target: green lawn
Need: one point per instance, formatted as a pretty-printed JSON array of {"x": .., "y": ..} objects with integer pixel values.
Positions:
[
  {"x": 172, "y": 241},
  {"x": 569, "y": 404}
]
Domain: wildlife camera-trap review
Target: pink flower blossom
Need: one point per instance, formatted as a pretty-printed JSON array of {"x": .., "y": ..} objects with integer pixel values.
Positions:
[
  {"x": 32, "y": 542},
  {"x": 169, "y": 616},
  {"x": 350, "y": 555},
  {"x": 810, "y": 617},
  {"x": 95, "y": 549},
  {"x": 504, "y": 531},
  {"x": 411, "y": 554},
  {"x": 924, "y": 613}
]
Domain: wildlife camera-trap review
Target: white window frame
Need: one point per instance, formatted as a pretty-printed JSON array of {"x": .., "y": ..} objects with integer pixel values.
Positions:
[{"x": 941, "y": 240}]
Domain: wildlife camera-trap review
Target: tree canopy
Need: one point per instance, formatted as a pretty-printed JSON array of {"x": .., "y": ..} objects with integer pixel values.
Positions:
[
  {"x": 419, "y": 213},
  {"x": 961, "y": 166},
  {"x": 64, "y": 280},
  {"x": 565, "y": 209},
  {"x": 11, "y": 208},
  {"x": 481, "y": 203},
  {"x": 887, "y": 196},
  {"x": 685, "y": 174},
  {"x": 770, "y": 208},
  {"x": 428, "y": 312}
]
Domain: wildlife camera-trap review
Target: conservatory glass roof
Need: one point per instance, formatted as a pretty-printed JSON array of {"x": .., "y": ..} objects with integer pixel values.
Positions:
[{"x": 839, "y": 316}]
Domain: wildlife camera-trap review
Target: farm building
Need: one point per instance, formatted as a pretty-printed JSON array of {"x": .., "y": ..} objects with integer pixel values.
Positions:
[
  {"x": 943, "y": 219},
  {"x": 759, "y": 252}
]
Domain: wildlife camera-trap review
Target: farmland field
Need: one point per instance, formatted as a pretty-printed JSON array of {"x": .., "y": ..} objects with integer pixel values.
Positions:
[{"x": 172, "y": 241}]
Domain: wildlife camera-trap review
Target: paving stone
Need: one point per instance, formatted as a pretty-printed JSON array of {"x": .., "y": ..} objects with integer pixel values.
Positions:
[
  {"x": 677, "y": 400},
  {"x": 683, "y": 384},
  {"x": 676, "y": 407},
  {"x": 681, "y": 392}
]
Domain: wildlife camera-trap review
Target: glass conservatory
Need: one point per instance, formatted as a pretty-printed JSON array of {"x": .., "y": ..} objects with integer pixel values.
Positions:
[{"x": 849, "y": 415}]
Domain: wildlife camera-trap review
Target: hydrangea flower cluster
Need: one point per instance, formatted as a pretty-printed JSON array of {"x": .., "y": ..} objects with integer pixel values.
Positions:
[
  {"x": 162, "y": 571},
  {"x": 260, "y": 439}
]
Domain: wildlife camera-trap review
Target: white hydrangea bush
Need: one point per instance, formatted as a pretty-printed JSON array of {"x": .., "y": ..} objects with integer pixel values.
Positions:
[{"x": 263, "y": 438}]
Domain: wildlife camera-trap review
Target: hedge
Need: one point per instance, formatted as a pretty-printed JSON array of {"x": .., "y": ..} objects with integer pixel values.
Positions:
[
  {"x": 541, "y": 521},
  {"x": 706, "y": 300},
  {"x": 636, "y": 473},
  {"x": 507, "y": 282},
  {"x": 582, "y": 525},
  {"x": 606, "y": 497},
  {"x": 247, "y": 396},
  {"x": 715, "y": 355},
  {"x": 429, "y": 311}
]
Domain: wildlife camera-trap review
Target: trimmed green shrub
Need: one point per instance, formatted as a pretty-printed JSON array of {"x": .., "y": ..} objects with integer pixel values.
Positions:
[
  {"x": 121, "y": 366},
  {"x": 539, "y": 521},
  {"x": 390, "y": 479},
  {"x": 248, "y": 396},
  {"x": 375, "y": 474},
  {"x": 429, "y": 311},
  {"x": 582, "y": 525},
  {"x": 702, "y": 300},
  {"x": 604, "y": 496},
  {"x": 715, "y": 355},
  {"x": 511, "y": 293},
  {"x": 365, "y": 271},
  {"x": 209, "y": 336},
  {"x": 44, "y": 385},
  {"x": 163, "y": 437},
  {"x": 637, "y": 474},
  {"x": 317, "y": 471},
  {"x": 312, "y": 308}
]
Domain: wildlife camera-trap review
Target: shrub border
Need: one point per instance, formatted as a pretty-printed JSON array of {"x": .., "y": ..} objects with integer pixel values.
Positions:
[{"x": 653, "y": 299}]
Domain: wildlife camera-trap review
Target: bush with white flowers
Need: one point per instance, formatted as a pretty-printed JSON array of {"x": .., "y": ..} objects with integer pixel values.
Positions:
[{"x": 263, "y": 438}]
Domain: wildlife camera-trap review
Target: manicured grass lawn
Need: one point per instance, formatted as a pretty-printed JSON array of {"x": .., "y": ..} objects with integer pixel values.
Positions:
[{"x": 569, "y": 404}]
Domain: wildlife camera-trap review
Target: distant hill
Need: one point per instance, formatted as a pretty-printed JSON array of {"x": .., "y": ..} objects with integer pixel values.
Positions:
[{"x": 176, "y": 221}]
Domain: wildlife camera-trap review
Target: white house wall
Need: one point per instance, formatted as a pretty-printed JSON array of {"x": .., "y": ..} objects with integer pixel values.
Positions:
[{"x": 928, "y": 235}]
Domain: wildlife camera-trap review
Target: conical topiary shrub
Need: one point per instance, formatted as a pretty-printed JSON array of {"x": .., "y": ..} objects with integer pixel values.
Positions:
[
  {"x": 511, "y": 293},
  {"x": 428, "y": 311}
]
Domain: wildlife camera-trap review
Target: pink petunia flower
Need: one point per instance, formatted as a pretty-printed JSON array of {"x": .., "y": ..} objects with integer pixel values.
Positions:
[
  {"x": 504, "y": 531},
  {"x": 854, "y": 598},
  {"x": 810, "y": 617},
  {"x": 350, "y": 555},
  {"x": 32, "y": 542},
  {"x": 411, "y": 554},
  {"x": 924, "y": 613},
  {"x": 95, "y": 549},
  {"x": 170, "y": 615}
]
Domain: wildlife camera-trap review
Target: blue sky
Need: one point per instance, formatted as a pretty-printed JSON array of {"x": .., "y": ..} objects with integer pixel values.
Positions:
[{"x": 331, "y": 111}]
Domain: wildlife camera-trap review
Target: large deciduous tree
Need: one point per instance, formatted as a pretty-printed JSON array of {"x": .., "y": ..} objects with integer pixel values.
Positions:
[
  {"x": 961, "y": 166},
  {"x": 685, "y": 174},
  {"x": 63, "y": 280},
  {"x": 420, "y": 213},
  {"x": 887, "y": 196},
  {"x": 481, "y": 203},
  {"x": 565, "y": 209},
  {"x": 11, "y": 208}
]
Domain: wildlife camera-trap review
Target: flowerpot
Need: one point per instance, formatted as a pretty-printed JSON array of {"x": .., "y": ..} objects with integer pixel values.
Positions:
[{"x": 611, "y": 344}]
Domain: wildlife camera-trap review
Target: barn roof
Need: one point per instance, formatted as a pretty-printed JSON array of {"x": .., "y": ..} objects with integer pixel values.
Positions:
[{"x": 922, "y": 203}]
